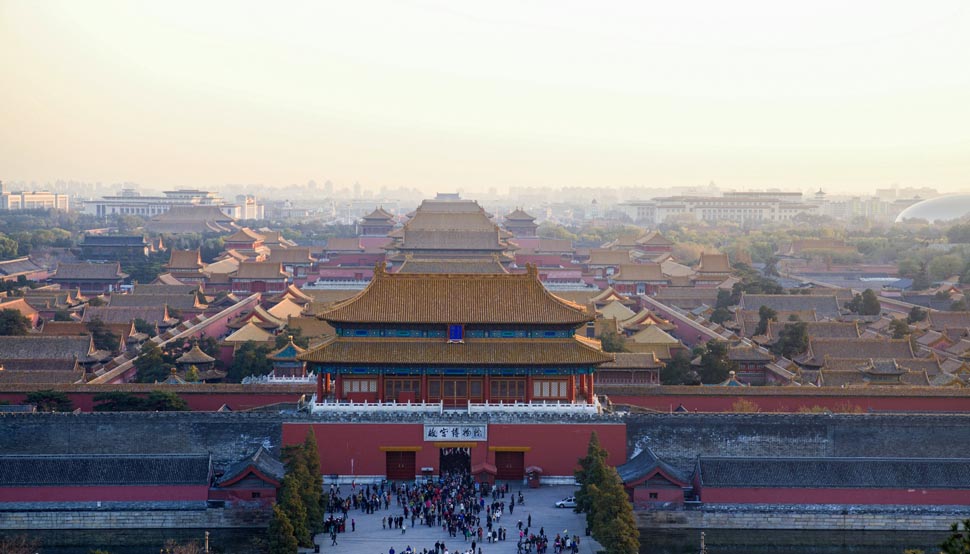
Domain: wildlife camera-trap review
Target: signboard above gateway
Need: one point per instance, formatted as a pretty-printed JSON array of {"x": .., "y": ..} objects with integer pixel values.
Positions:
[{"x": 455, "y": 432}]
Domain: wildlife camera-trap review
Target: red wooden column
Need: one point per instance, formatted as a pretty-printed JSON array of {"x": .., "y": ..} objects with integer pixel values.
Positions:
[
  {"x": 487, "y": 387},
  {"x": 380, "y": 387},
  {"x": 338, "y": 385},
  {"x": 592, "y": 394},
  {"x": 571, "y": 388},
  {"x": 528, "y": 388},
  {"x": 328, "y": 384},
  {"x": 424, "y": 388},
  {"x": 319, "y": 387}
]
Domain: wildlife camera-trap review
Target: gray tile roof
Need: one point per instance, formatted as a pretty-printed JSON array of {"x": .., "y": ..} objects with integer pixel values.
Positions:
[
  {"x": 262, "y": 460},
  {"x": 644, "y": 464},
  {"x": 19, "y": 266},
  {"x": 173, "y": 301},
  {"x": 44, "y": 347},
  {"x": 876, "y": 473},
  {"x": 31, "y": 470},
  {"x": 819, "y": 349},
  {"x": 824, "y": 306},
  {"x": 126, "y": 314},
  {"x": 89, "y": 272}
]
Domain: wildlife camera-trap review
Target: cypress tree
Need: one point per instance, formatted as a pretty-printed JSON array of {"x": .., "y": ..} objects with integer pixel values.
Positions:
[
  {"x": 311, "y": 458},
  {"x": 612, "y": 520},
  {"x": 291, "y": 501},
  {"x": 281, "y": 539},
  {"x": 591, "y": 472}
]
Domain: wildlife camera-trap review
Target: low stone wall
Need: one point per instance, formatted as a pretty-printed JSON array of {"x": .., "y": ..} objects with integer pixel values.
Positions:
[
  {"x": 787, "y": 517},
  {"x": 212, "y": 518}
]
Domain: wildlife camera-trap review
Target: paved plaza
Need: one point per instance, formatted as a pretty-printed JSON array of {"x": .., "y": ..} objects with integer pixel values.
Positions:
[{"x": 370, "y": 538}]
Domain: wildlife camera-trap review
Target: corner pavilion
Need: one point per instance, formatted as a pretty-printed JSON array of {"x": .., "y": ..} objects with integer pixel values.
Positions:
[
  {"x": 430, "y": 373},
  {"x": 456, "y": 340}
]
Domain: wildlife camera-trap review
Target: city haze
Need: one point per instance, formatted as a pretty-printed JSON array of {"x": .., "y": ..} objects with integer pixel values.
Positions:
[{"x": 442, "y": 96}]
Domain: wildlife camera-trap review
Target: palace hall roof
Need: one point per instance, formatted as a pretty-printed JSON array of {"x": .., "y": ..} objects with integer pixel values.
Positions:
[
  {"x": 383, "y": 350},
  {"x": 452, "y": 265},
  {"x": 89, "y": 271},
  {"x": 519, "y": 215},
  {"x": 457, "y": 299}
]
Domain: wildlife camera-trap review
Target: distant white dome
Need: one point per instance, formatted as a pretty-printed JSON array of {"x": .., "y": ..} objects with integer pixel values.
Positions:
[{"x": 942, "y": 208}]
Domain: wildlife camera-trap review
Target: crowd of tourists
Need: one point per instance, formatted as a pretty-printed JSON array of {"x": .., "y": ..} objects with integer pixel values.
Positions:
[{"x": 463, "y": 508}]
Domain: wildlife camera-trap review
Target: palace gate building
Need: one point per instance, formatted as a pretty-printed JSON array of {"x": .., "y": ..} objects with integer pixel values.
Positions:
[{"x": 436, "y": 372}]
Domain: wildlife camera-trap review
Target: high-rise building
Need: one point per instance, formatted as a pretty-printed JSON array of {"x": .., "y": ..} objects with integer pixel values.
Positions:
[{"x": 32, "y": 200}]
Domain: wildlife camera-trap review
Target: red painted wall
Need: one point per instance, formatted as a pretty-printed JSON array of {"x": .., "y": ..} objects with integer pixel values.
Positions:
[
  {"x": 355, "y": 449},
  {"x": 105, "y": 494},
  {"x": 641, "y": 495},
  {"x": 198, "y": 401},
  {"x": 781, "y": 401},
  {"x": 713, "y": 495}
]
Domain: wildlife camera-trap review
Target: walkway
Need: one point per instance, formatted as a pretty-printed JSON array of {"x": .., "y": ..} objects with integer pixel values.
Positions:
[{"x": 370, "y": 538}]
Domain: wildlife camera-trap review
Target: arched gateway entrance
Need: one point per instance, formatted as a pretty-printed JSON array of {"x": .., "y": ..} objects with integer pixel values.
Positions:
[{"x": 455, "y": 459}]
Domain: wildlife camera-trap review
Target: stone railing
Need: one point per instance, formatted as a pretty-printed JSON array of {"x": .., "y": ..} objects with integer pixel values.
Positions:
[
  {"x": 376, "y": 407},
  {"x": 535, "y": 407},
  {"x": 280, "y": 380},
  {"x": 472, "y": 408}
]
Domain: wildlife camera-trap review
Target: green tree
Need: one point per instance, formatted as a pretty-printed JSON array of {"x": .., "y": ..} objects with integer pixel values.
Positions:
[
  {"x": 104, "y": 338},
  {"x": 283, "y": 338},
  {"x": 62, "y": 315},
  {"x": 792, "y": 339},
  {"x": 165, "y": 401},
  {"x": 591, "y": 472},
  {"x": 154, "y": 401},
  {"x": 899, "y": 328},
  {"x": 941, "y": 267},
  {"x": 143, "y": 326},
  {"x": 613, "y": 342},
  {"x": 715, "y": 365},
  {"x": 192, "y": 374},
  {"x": 117, "y": 401},
  {"x": 723, "y": 299},
  {"x": 281, "y": 533},
  {"x": 959, "y": 540},
  {"x": 676, "y": 370},
  {"x": 13, "y": 323},
  {"x": 720, "y": 315},
  {"x": 612, "y": 521},
  {"x": 250, "y": 359},
  {"x": 8, "y": 247},
  {"x": 916, "y": 314},
  {"x": 96, "y": 301},
  {"x": 870, "y": 303},
  {"x": 291, "y": 500},
  {"x": 149, "y": 365},
  {"x": 50, "y": 401},
  {"x": 765, "y": 314},
  {"x": 311, "y": 455}
]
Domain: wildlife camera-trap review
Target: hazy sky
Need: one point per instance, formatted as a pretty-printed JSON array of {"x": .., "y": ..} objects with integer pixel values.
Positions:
[{"x": 447, "y": 94}]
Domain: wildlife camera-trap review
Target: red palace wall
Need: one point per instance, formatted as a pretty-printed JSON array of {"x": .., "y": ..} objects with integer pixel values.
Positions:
[
  {"x": 200, "y": 398},
  {"x": 359, "y": 448},
  {"x": 710, "y": 495},
  {"x": 105, "y": 494},
  {"x": 784, "y": 399}
]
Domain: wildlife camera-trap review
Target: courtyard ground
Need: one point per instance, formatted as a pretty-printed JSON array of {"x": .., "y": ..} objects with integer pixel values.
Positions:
[{"x": 370, "y": 538}]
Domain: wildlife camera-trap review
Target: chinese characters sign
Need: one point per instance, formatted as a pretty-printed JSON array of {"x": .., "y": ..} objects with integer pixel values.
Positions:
[{"x": 455, "y": 432}]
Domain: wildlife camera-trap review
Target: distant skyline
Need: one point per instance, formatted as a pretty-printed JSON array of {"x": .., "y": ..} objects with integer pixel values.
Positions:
[{"x": 442, "y": 95}]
